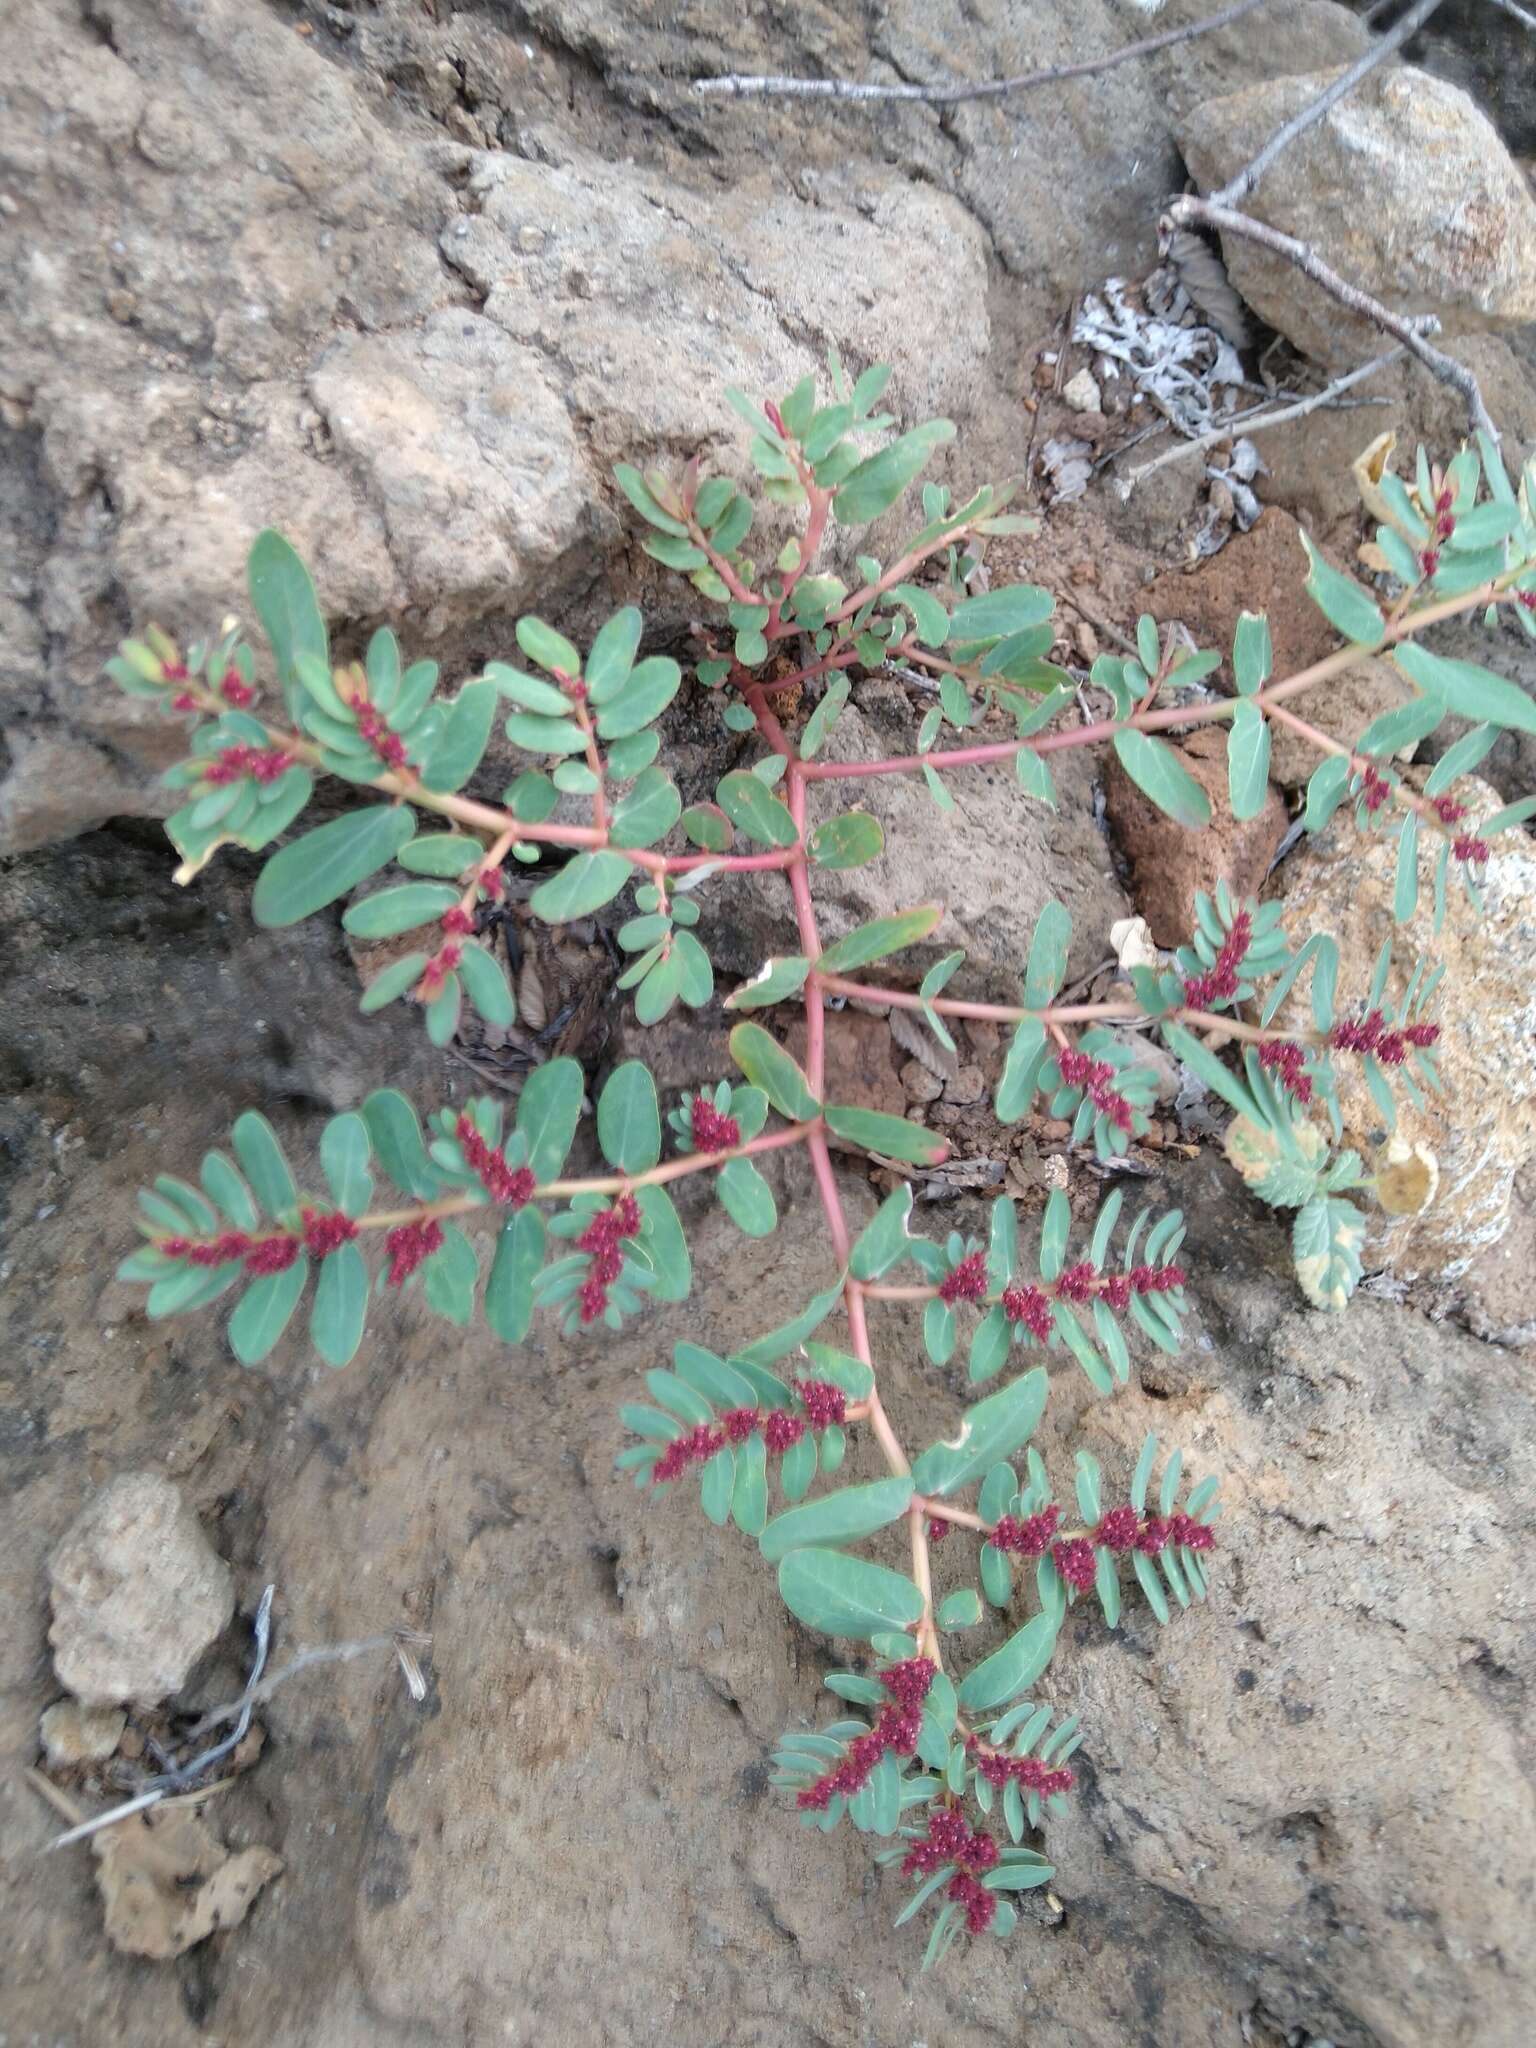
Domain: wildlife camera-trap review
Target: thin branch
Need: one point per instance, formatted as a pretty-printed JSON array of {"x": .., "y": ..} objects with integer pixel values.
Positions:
[
  {"x": 303, "y": 1660},
  {"x": 1239, "y": 187},
  {"x": 1525, "y": 20},
  {"x": 1410, "y": 331},
  {"x": 1251, "y": 424},
  {"x": 737, "y": 87}
]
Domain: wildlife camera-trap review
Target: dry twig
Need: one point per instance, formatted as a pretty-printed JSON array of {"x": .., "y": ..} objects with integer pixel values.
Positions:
[
  {"x": 326, "y": 1653},
  {"x": 1239, "y": 187},
  {"x": 1256, "y": 422},
  {"x": 1409, "y": 330},
  {"x": 1525, "y": 19},
  {"x": 738, "y": 87}
]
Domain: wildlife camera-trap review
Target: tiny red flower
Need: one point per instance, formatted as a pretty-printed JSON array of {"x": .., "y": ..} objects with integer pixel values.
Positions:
[
  {"x": 1029, "y": 1306},
  {"x": 1118, "y": 1529},
  {"x": 503, "y": 1183},
  {"x": 712, "y": 1130},
  {"x": 272, "y": 1255},
  {"x": 1077, "y": 1282},
  {"x": 938, "y": 1528},
  {"x": 1287, "y": 1060},
  {"x": 781, "y": 1430},
  {"x": 408, "y": 1245},
  {"x": 1192, "y": 1535},
  {"x": 325, "y": 1234},
  {"x": 234, "y": 689},
  {"x": 1029, "y": 1538},
  {"x": 824, "y": 1403},
  {"x": 1469, "y": 848},
  {"x": 458, "y": 920},
  {"x": 1075, "y": 1560},
  {"x": 967, "y": 1281}
]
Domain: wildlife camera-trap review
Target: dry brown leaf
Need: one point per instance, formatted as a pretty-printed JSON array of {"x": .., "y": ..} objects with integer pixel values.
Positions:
[{"x": 167, "y": 1882}]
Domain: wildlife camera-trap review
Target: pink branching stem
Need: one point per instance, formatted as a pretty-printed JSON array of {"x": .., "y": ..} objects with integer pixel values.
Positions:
[{"x": 1054, "y": 1017}]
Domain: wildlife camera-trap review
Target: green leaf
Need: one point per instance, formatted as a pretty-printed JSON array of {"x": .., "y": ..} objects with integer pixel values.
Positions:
[
  {"x": 931, "y": 618},
  {"x": 847, "y": 841},
  {"x": 747, "y": 1198},
  {"x": 768, "y": 1066},
  {"x": 545, "y": 735},
  {"x": 329, "y": 862},
  {"x": 486, "y": 986},
  {"x": 649, "y": 689},
  {"x": 449, "y": 1277},
  {"x": 509, "y": 1288},
  {"x": 340, "y": 1306},
  {"x": 449, "y": 855},
  {"x": 1048, "y": 950},
  {"x": 1000, "y": 612},
  {"x": 1021, "y": 1071},
  {"x": 774, "y": 981},
  {"x": 613, "y": 654},
  {"x": 1326, "y": 1240},
  {"x": 391, "y": 911},
  {"x": 224, "y": 1187},
  {"x": 961, "y": 1609},
  {"x": 263, "y": 1312},
  {"x": 1406, "y": 893},
  {"x": 647, "y": 812},
  {"x": 551, "y": 650},
  {"x": 836, "y": 1518},
  {"x": 1140, "y": 1478},
  {"x": 1248, "y": 761},
  {"x": 1158, "y": 773},
  {"x": 875, "y": 485},
  {"x": 755, "y": 810},
  {"x": 765, "y": 1351},
  {"x": 547, "y": 1114},
  {"x": 460, "y": 746},
  {"x": 629, "y": 1119},
  {"x": 1253, "y": 656},
  {"x": 847, "y": 1596},
  {"x": 882, "y": 935},
  {"x": 345, "y": 1149},
  {"x": 1203, "y": 1062},
  {"x": 892, "y": 1136},
  {"x": 717, "y": 1483},
  {"x": 1325, "y": 790},
  {"x": 885, "y": 1238},
  {"x": 530, "y": 693},
  {"x": 991, "y": 1429},
  {"x": 749, "y": 1492},
  {"x": 666, "y": 1244},
  {"x": 707, "y": 826},
  {"x": 397, "y": 1143},
  {"x": 1341, "y": 600},
  {"x": 634, "y": 487},
  {"x": 1470, "y": 691},
  {"x": 262, "y": 1161},
  {"x": 1012, "y": 1669},
  {"x": 283, "y": 598},
  {"x": 584, "y": 884}
]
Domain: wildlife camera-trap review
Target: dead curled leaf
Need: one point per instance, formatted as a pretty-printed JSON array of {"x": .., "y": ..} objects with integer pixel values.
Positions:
[
  {"x": 1407, "y": 1177},
  {"x": 167, "y": 1882}
]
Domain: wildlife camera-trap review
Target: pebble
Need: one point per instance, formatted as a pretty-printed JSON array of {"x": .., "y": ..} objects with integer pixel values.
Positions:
[
  {"x": 1081, "y": 392},
  {"x": 73, "y": 1734}
]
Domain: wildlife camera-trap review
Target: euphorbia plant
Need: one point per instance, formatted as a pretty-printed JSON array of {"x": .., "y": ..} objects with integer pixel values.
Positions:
[{"x": 928, "y": 1751}]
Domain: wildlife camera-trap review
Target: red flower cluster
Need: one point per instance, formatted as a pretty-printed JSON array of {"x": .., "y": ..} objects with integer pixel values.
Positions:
[
  {"x": 1156, "y": 1279},
  {"x": 503, "y": 1183},
  {"x": 234, "y": 689},
  {"x": 1448, "y": 811},
  {"x": 1027, "y": 1772},
  {"x": 438, "y": 969},
  {"x": 949, "y": 1839},
  {"x": 262, "y": 764},
  {"x": 937, "y": 1528},
  {"x": 458, "y": 920},
  {"x": 1029, "y": 1538},
  {"x": 1286, "y": 1060},
  {"x": 967, "y": 1281},
  {"x": 1429, "y": 560},
  {"x": 712, "y": 1130},
  {"x": 1374, "y": 791},
  {"x": 1030, "y": 1306},
  {"x": 1094, "y": 1078},
  {"x": 389, "y": 746},
  {"x": 264, "y": 1255},
  {"x": 408, "y": 1245},
  {"x": 896, "y": 1730},
  {"x": 824, "y": 1403},
  {"x": 1077, "y": 1561},
  {"x": 1219, "y": 980},
  {"x": 1124, "y": 1529},
  {"x": 1078, "y": 1283},
  {"x": 602, "y": 1241},
  {"x": 1467, "y": 847},
  {"x": 1369, "y": 1034}
]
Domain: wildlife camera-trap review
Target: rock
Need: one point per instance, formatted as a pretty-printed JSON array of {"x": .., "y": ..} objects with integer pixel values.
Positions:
[
  {"x": 1082, "y": 393},
  {"x": 1404, "y": 188},
  {"x": 1264, "y": 570},
  {"x": 138, "y": 1594},
  {"x": 1168, "y": 862},
  {"x": 1482, "y": 1127},
  {"x": 72, "y": 1734},
  {"x": 994, "y": 861}
]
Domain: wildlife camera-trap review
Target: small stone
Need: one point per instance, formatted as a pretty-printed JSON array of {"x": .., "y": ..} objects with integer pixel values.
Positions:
[
  {"x": 73, "y": 1734},
  {"x": 920, "y": 1085},
  {"x": 122, "y": 305},
  {"x": 138, "y": 1594},
  {"x": 969, "y": 1085},
  {"x": 1081, "y": 391}
]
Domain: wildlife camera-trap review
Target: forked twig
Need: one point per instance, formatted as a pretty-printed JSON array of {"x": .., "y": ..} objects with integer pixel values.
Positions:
[
  {"x": 1256, "y": 423},
  {"x": 739, "y": 87},
  {"x": 400, "y": 1640},
  {"x": 1410, "y": 330}
]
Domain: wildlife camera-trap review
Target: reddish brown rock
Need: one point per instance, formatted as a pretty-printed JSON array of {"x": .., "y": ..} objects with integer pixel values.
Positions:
[{"x": 1168, "y": 862}]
